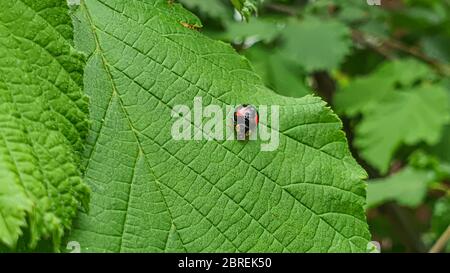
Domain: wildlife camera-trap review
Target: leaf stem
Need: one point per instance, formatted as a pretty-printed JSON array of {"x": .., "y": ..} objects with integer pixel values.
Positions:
[
  {"x": 441, "y": 242},
  {"x": 282, "y": 9},
  {"x": 382, "y": 45}
]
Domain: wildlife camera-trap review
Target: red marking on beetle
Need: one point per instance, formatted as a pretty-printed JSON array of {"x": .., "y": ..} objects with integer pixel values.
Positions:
[
  {"x": 246, "y": 119},
  {"x": 244, "y": 112}
]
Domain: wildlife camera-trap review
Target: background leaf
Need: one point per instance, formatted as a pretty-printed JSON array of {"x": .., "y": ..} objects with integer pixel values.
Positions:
[
  {"x": 406, "y": 118},
  {"x": 316, "y": 45},
  {"x": 278, "y": 72},
  {"x": 43, "y": 122},
  {"x": 407, "y": 187},
  {"x": 400, "y": 105}
]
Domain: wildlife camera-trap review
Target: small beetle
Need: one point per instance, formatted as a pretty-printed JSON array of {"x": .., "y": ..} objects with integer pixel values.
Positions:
[{"x": 246, "y": 119}]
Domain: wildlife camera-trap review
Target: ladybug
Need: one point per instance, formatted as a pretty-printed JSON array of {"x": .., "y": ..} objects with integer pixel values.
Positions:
[{"x": 246, "y": 120}]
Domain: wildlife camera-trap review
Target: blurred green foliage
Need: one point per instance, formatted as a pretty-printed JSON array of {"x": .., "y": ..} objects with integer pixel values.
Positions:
[{"x": 385, "y": 70}]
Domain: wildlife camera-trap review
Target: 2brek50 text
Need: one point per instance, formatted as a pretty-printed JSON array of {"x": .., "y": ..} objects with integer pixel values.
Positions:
[{"x": 226, "y": 262}]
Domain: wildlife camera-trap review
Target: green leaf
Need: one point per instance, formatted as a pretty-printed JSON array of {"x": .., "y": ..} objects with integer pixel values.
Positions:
[
  {"x": 407, "y": 187},
  {"x": 437, "y": 47},
  {"x": 405, "y": 72},
  {"x": 350, "y": 11},
  {"x": 401, "y": 105},
  {"x": 316, "y": 44},
  {"x": 441, "y": 216},
  {"x": 153, "y": 193},
  {"x": 43, "y": 121},
  {"x": 440, "y": 221},
  {"x": 421, "y": 159},
  {"x": 422, "y": 16},
  {"x": 364, "y": 94},
  {"x": 442, "y": 149},
  {"x": 405, "y": 118},
  {"x": 255, "y": 30},
  {"x": 277, "y": 72}
]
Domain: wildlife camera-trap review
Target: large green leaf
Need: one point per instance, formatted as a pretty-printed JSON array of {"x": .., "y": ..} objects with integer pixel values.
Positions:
[
  {"x": 278, "y": 72},
  {"x": 153, "y": 193},
  {"x": 43, "y": 123},
  {"x": 316, "y": 44},
  {"x": 407, "y": 187},
  {"x": 406, "y": 118},
  {"x": 401, "y": 104},
  {"x": 364, "y": 94}
]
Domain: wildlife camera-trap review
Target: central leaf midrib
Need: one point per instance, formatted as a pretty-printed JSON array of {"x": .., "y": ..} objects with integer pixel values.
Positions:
[{"x": 115, "y": 93}]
